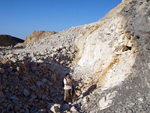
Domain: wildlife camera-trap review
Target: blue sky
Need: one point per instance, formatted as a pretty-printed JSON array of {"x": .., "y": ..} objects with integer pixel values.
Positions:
[{"x": 21, "y": 17}]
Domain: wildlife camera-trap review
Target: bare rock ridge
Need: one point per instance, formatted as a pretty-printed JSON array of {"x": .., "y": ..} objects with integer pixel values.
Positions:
[
  {"x": 38, "y": 35},
  {"x": 108, "y": 60},
  {"x": 116, "y": 55},
  {"x": 7, "y": 40}
]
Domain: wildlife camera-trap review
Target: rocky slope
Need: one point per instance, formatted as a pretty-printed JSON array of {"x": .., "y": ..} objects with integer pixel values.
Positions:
[
  {"x": 38, "y": 35},
  {"x": 34, "y": 71},
  {"x": 108, "y": 60},
  {"x": 7, "y": 40},
  {"x": 116, "y": 56}
]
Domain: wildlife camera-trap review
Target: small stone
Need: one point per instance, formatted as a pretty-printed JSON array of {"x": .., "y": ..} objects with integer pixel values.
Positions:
[
  {"x": 59, "y": 77},
  {"x": 33, "y": 68},
  {"x": 57, "y": 105},
  {"x": 55, "y": 108},
  {"x": 32, "y": 98},
  {"x": 144, "y": 107},
  {"x": 66, "y": 107},
  {"x": 9, "y": 69},
  {"x": 33, "y": 87},
  {"x": 26, "y": 92},
  {"x": 17, "y": 108},
  {"x": 41, "y": 105},
  {"x": 1, "y": 95},
  {"x": 140, "y": 107},
  {"x": 130, "y": 111},
  {"x": 18, "y": 68},
  {"x": 46, "y": 61},
  {"x": 22, "y": 111},
  {"x": 42, "y": 111},
  {"x": 14, "y": 98},
  {"x": 14, "y": 59},
  {"x": 44, "y": 80},
  {"x": 25, "y": 78},
  {"x": 39, "y": 83},
  {"x": 49, "y": 105},
  {"x": 40, "y": 61},
  {"x": 16, "y": 73},
  {"x": 80, "y": 84},
  {"x": 73, "y": 109},
  {"x": 148, "y": 47},
  {"x": 53, "y": 78},
  {"x": 131, "y": 104},
  {"x": 85, "y": 99},
  {"x": 2, "y": 70},
  {"x": 27, "y": 110},
  {"x": 78, "y": 92},
  {"x": 33, "y": 58},
  {"x": 61, "y": 62},
  {"x": 149, "y": 65},
  {"x": 10, "y": 107},
  {"x": 141, "y": 100}
]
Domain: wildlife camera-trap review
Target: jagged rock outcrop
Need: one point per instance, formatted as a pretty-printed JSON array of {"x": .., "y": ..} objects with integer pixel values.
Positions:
[
  {"x": 115, "y": 52},
  {"x": 7, "y": 40},
  {"x": 108, "y": 59},
  {"x": 38, "y": 35}
]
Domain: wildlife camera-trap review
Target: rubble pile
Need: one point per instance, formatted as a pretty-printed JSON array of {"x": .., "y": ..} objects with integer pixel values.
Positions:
[{"x": 29, "y": 84}]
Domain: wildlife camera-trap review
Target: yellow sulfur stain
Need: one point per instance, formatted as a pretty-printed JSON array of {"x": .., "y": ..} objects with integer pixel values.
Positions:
[
  {"x": 95, "y": 28},
  {"x": 90, "y": 29},
  {"x": 100, "y": 79}
]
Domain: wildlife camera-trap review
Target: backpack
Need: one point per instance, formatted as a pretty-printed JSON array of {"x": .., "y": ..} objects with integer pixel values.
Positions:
[{"x": 63, "y": 82}]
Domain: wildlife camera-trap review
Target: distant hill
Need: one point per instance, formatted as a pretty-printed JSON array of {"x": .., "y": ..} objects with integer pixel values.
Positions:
[
  {"x": 7, "y": 40},
  {"x": 38, "y": 35}
]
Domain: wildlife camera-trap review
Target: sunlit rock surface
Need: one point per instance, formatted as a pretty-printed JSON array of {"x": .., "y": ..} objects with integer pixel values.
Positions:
[{"x": 38, "y": 35}]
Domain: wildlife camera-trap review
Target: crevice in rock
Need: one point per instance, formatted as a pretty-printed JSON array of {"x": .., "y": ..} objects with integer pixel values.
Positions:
[{"x": 126, "y": 48}]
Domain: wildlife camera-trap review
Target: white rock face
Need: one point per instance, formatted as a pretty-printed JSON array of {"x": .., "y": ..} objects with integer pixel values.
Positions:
[
  {"x": 107, "y": 52},
  {"x": 120, "y": 64}
]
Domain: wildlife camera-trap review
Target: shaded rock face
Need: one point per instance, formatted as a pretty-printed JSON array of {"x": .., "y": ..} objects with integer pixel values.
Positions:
[
  {"x": 109, "y": 59},
  {"x": 7, "y": 40},
  {"x": 31, "y": 84},
  {"x": 117, "y": 55},
  {"x": 38, "y": 35},
  {"x": 31, "y": 80}
]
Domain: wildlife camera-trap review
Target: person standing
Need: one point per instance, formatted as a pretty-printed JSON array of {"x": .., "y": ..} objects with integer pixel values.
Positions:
[{"x": 67, "y": 87}]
